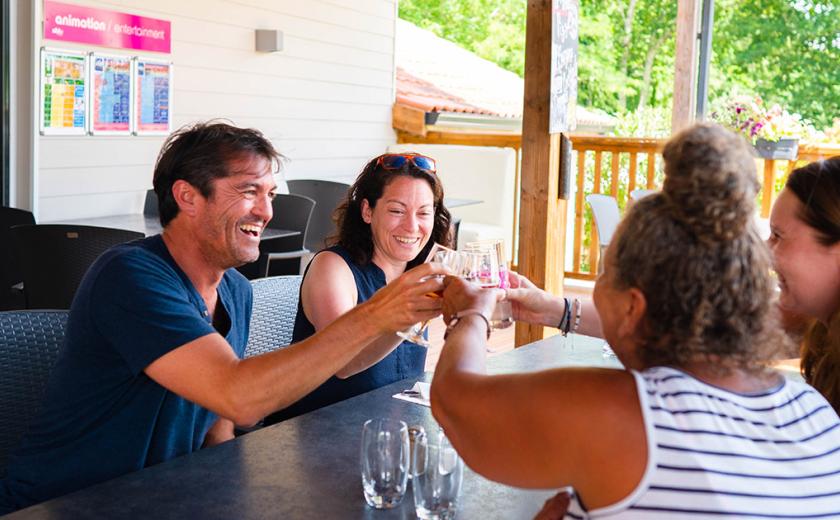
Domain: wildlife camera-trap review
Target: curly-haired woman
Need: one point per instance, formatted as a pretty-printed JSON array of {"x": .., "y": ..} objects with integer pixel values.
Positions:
[
  {"x": 392, "y": 216},
  {"x": 697, "y": 425}
]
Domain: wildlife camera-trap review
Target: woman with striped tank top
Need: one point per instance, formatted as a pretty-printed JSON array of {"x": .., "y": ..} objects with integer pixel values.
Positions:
[{"x": 697, "y": 425}]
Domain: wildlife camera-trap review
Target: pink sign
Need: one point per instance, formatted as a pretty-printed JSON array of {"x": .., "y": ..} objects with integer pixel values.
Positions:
[{"x": 73, "y": 23}]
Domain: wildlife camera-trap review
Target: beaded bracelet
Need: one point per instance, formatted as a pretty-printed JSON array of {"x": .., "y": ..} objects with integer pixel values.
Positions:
[{"x": 578, "y": 306}]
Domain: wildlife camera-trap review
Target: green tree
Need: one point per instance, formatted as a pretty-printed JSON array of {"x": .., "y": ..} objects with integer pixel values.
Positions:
[
  {"x": 787, "y": 51},
  {"x": 492, "y": 29}
]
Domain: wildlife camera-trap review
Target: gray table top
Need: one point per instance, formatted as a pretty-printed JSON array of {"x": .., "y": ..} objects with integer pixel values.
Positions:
[
  {"x": 150, "y": 225},
  {"x": 308, "y": 467}
]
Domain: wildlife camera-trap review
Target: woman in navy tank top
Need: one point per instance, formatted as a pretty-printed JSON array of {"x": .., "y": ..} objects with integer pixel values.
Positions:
[{"x": 392, "y": 216}]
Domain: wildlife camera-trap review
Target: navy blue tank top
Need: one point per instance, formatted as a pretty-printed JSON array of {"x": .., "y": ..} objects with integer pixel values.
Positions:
[{"x": 407, "y": 360}]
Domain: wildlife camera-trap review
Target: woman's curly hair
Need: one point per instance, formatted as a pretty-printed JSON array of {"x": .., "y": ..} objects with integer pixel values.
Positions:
[
  {"x": 354, "y": 234},
  {"x": 694, "y": 251}
]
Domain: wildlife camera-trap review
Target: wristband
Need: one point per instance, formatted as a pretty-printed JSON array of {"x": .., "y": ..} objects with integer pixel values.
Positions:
[
  {"x": 564, "y": 319},
  {"x": 463, "y": 314}
]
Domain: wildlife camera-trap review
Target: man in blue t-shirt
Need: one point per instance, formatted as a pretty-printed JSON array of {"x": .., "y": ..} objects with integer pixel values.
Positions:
[{"x": 152, "y": 364}]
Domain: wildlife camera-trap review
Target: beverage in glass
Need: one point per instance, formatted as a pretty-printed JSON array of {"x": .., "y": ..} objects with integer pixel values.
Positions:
[
  {"x": 417, "y": 333},
  {"x": 384, "y": 462},
  {"x": 495, "y": 262}
]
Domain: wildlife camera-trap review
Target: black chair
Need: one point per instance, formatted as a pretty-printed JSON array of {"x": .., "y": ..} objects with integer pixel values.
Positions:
[
  {"x": 150, "y": 206},
  {"x": 273, "y": 314},
  {"x": 55, "y": 257},
  {"x": 327, "y": 196},
  {"x": 282, "y": 255},
  {"x": 29, "y": 346},
  {"x": 11, "y": 297}
]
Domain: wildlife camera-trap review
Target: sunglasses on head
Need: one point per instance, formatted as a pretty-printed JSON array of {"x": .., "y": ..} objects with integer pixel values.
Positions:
[{"x": 395, "y": 161}]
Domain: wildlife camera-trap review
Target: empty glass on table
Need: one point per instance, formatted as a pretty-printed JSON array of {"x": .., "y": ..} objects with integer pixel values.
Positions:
[
  {"x": 436, "y": 481},
  {"x": 384, "y": 462}
]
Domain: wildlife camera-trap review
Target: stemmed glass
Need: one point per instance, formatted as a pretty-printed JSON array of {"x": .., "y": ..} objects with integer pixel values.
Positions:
[
  {"x": 492, "y": 273},
  {"x": 450, "y": 258}
]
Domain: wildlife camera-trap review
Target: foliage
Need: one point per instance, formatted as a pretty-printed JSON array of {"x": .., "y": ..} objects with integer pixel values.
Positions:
[
  {"x": 492, "y": 29},
  {"x": 644, "y": 122},
  {"x": 786, "y": 51}
]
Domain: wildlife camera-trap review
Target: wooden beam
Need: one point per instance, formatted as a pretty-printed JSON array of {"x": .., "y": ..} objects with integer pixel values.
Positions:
[
  {"x": 685, "y": 65},
  {"x": 466, "y": 138},
  {"x": 408, "y": 119},
  {"x": 542, "y": 213}
]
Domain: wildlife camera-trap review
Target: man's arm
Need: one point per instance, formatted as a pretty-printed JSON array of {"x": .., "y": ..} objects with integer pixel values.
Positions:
[
  {"x": 328, "y": 292},
  {"x": 207, "y": 372}
]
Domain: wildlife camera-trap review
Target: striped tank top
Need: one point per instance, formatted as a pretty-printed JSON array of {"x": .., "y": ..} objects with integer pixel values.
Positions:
[{"x": 718, "y": 454}]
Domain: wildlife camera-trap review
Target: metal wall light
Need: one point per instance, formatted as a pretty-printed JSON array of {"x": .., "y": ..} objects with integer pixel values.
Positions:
[{"x": 268, "y": 40}]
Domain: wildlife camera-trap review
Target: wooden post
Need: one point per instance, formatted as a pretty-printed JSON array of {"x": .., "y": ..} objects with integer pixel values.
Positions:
[
  {"x": 685, "y": 65},
  {"x": 542, "y": 224}
]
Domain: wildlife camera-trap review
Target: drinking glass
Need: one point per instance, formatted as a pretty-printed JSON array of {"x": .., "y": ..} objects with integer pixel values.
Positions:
[
  {"x": 437, "y": 475},
  {"x": 452, "y": 259},
  {"x": 384, "y": 462},
  {"x": 502, "y": 316}
]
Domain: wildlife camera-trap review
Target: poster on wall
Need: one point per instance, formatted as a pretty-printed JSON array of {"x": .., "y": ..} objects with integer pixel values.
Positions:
[
  {"x": 111, "y": 94},
  {"x": 63, "y": 93},
  {"x": 153, "y": 97}
]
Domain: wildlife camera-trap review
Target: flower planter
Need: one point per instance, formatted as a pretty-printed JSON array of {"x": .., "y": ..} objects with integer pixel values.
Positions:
[{"x": 784, "y": 149}]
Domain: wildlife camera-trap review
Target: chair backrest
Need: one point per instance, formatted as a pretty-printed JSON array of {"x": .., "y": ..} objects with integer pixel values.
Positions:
[
  {"x": 273, "y": 314},
  {"x": 29, "y": 345},
  {"x": 292, "y": 212},
  {"x": 640, "y": 193},
  {"x": 10, "y": 273},
  {"x": 327, "y": 196},
  {"x": 150, "y": 206},
  {"x": 55, "y": 257},
  {"x": 605, "y": 212}
]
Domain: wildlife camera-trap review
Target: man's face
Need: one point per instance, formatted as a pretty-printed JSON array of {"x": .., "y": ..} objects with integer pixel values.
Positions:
[{"x": 234, "y": 216}]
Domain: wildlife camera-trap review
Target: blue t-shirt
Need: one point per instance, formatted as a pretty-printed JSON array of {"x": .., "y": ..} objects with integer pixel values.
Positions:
[
  {"x": 407, "y": 360},
  {"x": 102, "y": 416}
]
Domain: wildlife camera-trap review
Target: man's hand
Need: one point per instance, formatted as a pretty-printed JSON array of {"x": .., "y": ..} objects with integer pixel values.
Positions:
[
  {"x": 221, "y": 431},
  {"x": 555, "y": 507},
  {"x": 408, "y": 299},
  {"x": 461, "y": 295}
]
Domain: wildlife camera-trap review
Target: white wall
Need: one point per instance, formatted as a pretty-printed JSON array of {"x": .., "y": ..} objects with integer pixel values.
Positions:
[{"x": 325, "y": 100}]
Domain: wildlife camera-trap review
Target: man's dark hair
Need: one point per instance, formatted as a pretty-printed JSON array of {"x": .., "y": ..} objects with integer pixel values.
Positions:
[{"x": 201, "y": 153}]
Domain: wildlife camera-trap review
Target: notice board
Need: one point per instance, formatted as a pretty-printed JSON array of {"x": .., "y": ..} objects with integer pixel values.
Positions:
[
  {"x": 111, "y": 93},
  {"x": 153, "y": 98},
  {"x": 63, "y": 104},
  {"x": 564, "y": 51}
]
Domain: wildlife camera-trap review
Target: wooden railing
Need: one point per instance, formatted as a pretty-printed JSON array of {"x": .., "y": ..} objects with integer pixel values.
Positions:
[
  {"x": 618, "y": 165},
  {"x": 614, "y": 166}
]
